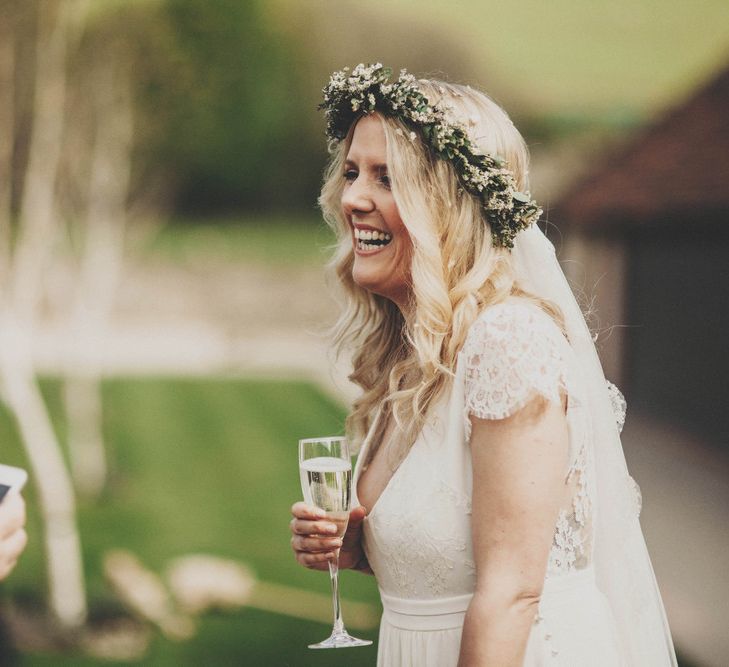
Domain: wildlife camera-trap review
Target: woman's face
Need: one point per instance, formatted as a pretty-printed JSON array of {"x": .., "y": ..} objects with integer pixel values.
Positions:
[{"x": 382, "y": 246}]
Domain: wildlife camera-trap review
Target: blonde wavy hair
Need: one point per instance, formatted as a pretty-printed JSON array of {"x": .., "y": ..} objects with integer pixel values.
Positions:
[{"x": 404, "y": 365}]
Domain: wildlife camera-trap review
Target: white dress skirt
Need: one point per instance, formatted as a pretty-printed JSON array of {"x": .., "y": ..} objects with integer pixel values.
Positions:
[
  {"x": 579, "y": 631},
  {"x": 417, "y": 536}
]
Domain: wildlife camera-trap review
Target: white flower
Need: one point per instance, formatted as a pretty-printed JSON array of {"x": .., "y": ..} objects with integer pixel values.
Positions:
[{"x": 485, "y": 176}]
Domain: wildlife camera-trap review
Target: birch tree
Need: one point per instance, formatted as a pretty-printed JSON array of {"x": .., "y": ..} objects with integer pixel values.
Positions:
[
  {"x": 103, "y": 225},
  {"x": 60, "y": 24}
]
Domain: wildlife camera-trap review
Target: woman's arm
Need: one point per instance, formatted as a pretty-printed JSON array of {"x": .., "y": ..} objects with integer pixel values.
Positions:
[{"x": 518, "y": 483}]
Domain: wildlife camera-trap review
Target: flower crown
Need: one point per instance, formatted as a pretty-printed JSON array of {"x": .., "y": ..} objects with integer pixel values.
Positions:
[{"x": 365, "y": 90}]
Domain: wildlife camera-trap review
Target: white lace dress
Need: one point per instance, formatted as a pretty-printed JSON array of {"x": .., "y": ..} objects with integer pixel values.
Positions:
[{"x": 418, "y": 534}]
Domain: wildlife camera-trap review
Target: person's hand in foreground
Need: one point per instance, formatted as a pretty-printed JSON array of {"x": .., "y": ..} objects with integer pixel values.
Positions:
[{"x": 13, "y": 537}]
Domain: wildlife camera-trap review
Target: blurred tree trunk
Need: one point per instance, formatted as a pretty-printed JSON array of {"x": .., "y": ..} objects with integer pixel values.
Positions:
[
  {"x": 63, "y": 549},
  {"x": 60, "y": 26},
  {"x": 101, "y": 265}
]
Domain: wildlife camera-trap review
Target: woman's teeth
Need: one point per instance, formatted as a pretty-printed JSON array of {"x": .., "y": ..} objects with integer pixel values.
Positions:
[{"x": 370, "y": 239}]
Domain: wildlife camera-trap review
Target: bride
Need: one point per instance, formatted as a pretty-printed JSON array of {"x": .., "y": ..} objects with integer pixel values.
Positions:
[{"x": 497, "y": 513}]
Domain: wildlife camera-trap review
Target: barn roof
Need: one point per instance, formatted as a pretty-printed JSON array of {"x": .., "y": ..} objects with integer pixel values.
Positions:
[{"x": 674, "y": 171}]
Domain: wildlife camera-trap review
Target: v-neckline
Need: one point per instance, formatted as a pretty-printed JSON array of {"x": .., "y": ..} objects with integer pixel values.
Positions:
[{"x": 363, "y": 453}]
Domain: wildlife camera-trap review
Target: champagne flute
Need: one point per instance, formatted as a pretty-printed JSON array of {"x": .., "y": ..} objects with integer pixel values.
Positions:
[{"x": 325, "y": 467}]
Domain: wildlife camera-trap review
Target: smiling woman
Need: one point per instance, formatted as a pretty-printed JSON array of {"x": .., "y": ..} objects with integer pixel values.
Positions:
[
  {"x": 382, "y": 245},
  {"x": 487, "y": 432}
]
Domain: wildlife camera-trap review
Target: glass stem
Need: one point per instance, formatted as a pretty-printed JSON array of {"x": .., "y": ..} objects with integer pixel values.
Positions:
[{"x": 334, "y": 576}]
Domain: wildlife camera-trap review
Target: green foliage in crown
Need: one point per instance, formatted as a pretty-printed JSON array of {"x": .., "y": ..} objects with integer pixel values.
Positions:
[{"x": 366, "y": 89}]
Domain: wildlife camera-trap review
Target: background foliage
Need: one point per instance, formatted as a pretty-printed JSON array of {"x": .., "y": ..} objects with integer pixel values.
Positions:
[{"x": 228, "y": 90}]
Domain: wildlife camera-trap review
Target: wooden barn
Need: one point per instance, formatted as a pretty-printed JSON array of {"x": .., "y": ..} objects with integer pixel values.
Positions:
[{"x": 647, "y": 235}]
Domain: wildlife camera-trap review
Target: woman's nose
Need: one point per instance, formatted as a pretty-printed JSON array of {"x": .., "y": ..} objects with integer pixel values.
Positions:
[{"x": 356, "y": 197}]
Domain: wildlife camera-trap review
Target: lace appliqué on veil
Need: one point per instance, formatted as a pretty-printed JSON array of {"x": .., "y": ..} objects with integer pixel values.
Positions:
[
  {"x": 572, "y": 541},
  {"x": 620, "y": 406}
]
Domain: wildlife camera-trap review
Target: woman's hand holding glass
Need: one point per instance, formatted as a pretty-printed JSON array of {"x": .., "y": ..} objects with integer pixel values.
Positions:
[
  {"x": 315, "y": 538},
  {"x": 320, "y": 530}
]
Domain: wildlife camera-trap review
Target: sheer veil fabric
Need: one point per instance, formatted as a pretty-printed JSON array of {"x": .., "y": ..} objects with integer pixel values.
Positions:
[{"x": 622, "y": 566}]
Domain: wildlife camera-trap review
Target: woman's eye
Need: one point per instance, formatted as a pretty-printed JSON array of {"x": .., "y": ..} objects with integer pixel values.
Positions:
[
  {"x": 350, "y": 175},
  {"x": 385, "y": 180}
]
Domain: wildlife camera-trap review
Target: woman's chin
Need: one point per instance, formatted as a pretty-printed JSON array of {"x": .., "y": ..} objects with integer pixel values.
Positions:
[
  {"x": 397, "y": 293},
  {"x": 366, "y": 281}
]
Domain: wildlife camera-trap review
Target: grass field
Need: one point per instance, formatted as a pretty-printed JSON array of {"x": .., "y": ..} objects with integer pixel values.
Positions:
[
  {"x": 266, "y": 240},
  {"x": 200, "y": 466}
]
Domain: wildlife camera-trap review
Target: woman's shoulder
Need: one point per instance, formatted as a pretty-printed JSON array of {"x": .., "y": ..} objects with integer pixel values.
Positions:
[
  {"x": 512, "y": 321},
  {"x": 513, "y": 351}
]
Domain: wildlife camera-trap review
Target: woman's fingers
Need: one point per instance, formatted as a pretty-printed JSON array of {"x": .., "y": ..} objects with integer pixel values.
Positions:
[
  {"x": 12, "y": 514},
  {"x": 315, "y": 544},
  {"x": 301, "y": 510},
  {"x": 357, "y": 515},
  {"x": 10, "y": 549},
  {"x": 13, "y": 545},
  {"x": 319, "y": 560},
  {"x": 310, "y": 520},
  {"x": 301, "y": 527},
  {"x": 316, "y": 538}
]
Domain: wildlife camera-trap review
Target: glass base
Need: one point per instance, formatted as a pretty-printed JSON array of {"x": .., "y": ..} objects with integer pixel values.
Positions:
[{"x": 341, "y": 640}]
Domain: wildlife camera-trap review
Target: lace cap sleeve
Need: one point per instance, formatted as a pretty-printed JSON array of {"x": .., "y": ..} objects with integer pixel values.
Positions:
[{"x": 513, "y": 352}]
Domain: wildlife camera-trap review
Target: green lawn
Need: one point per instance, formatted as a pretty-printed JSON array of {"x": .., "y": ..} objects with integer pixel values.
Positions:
[
  {"x": 201, "y": 465},
  {"x": 245, "y": 239}
]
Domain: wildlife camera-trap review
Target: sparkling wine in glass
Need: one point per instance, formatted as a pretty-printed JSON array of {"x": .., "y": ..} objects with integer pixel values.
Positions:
[{"x": 325, "y": 467}]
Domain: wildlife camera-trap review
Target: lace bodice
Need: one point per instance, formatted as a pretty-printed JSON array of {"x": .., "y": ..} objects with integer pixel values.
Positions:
[{"x": 418, "y": 534}]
